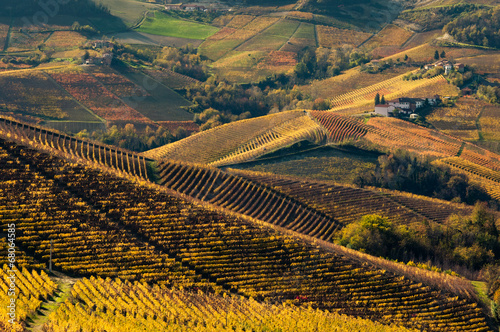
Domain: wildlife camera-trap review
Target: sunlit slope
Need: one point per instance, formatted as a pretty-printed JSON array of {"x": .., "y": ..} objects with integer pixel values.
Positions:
[
  {"x": 139, "y": 232},
  {"x": 250, "y": 137},
  {"x": 247, "y": 140}
]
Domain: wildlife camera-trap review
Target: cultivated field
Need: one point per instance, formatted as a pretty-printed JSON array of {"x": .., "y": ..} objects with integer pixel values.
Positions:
[
  {"x": 332, "y": 37},
  {"x": 200, "y": 148},
  {"x": 489, "y": 63},
  {"x": 319, "y": 164},
  {"x": 273, "y": 38},
  {"x": 64, "y": 40},
  {"x": 181, "y": 310},
  {"x": 349, "y": 80},
  {"x": 165, "y": 239},
  {"x": 459, "y": 120},
  {"x": 24, "y": 41},
  {"x": 34, "y": 93},
  {"x": 392, "y": 88},
  {"x": 166, "y": 25},
  {"x": 87, "y": 90},
  {"x": 239, "y": 21},
  {"x": 390, "y": 35},
  {"x": 304, "y": 36},
  {"x": 490, "y": 121}
]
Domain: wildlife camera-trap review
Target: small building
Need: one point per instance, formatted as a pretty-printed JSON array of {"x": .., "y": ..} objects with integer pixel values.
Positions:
[
  {"x": 384, "y": 109},
  {"x": 466, "y": 91},
  {"x": 413, "y": 116},
  {"x": 460, "y": 67},
  {"x": 445, "y": 64},
  {"x": 407, "y": 104},
  {"x": 177, "y": 6}
]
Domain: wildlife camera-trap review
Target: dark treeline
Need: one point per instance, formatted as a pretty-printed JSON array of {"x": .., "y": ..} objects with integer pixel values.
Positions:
[
  {"x": 481, "y": 27},
  {"x": 437, "y": 17},
  {"x": 139, "y": 141},
  {"x": 404, "y": 172},
  {"x": 467, "y": 244},
  {"x": 80, "y": 8}
]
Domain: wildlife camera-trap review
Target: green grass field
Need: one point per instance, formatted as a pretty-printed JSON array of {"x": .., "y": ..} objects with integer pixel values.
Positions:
[{"x": 165, "y": 25}]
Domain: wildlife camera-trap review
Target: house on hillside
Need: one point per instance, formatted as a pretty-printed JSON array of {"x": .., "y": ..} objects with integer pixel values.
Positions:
[
  {"x": 385, "y": 109},
  {"x": 445, "y": 64},
  {"x": 460, "y": 67},
  {"x": 185, "y": 7},
  {"x": 177, "y": 6},
  {"x": 105, "y": 60},
  {"x": 405, "y": 105}
]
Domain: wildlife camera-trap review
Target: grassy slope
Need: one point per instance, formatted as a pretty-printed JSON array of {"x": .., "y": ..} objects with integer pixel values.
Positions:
[{"x": 165, "y": 25}]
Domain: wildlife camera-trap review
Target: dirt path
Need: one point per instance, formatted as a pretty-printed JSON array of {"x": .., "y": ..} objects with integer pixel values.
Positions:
[{"x": 65, "y": 284}]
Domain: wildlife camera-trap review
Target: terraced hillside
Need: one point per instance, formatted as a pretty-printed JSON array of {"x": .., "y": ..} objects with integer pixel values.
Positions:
[
  {"x": 181, "y": 310},
  {"x": 57, "y": 143},
  {"x": 242, "y": 196},
  {"x": 391, "y": 88},
  {"x": 347, "y": 204},
  {"x": 108, "y": 226},
  {"x": 242, "y": 140}
]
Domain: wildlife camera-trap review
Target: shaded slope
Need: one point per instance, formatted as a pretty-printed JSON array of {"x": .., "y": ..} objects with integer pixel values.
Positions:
[{"x": 108, "y": 226}]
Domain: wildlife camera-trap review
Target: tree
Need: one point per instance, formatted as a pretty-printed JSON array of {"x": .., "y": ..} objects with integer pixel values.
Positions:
[
  {"x": 436, "y": 55},
  {"x": 382, "y": 100},
  {"x": 443, "y": 54},
  {"x": 406, "y": 57},
  {"x": 377, "y": 99}
]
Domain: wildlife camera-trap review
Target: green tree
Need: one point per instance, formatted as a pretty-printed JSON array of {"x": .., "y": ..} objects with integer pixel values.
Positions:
[
  {"x": 436, "y": 55},
  {"x": 443, "y": 54},
  {"x": 406, "y": 57},
  {"x": 382, "y": 100},
  {"x": 377, "y": 99},
  {"x": 372, "y": 234}
]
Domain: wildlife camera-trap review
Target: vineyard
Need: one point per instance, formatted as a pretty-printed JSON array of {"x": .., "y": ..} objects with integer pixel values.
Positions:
[
  {"x": 390, "y": 35},
  {"x": 64, "y": 40},
  {"x": 332, "y": 37},
  {"x": 485, "y": 177},
  {"x": 280, "y": 136},
  {"x": 161, "y": 309},
  {"x": 63, "y": 145},
  {"x": 459, "y": 120},
  {"x": 245, "y": 197},
  {"x": 304, "y": 36},
  {"x": 271, "y": 39},
  {"x": 4, "y": 30},
  {"x": 35, "y": 94},
  {"x": 391, "y": 88},
  {"x": 347, "y": 204},
  {"x": 392, "y": 134},
  {"x": 339, "y": 128},
  {"x": 31, "y": 289},
  {"x": 87, "y": 90},
  {"x": 91, "y": 215},
  {"x": 200, "y": 148}
]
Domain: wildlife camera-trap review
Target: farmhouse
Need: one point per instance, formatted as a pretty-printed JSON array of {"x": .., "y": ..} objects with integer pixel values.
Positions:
[
  {"x": 445, "y": 64},
  {"x": 384, "y": 109},
  {"x": 185, "y": 7},
  {"x": 404, "y": 105},
  {"x": 105, "y": 60}
]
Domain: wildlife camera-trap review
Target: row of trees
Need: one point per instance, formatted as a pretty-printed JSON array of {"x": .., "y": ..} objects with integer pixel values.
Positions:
[
  {"x": 130, "y": 138},
  {"x": 404, "y": 172},
  {"x": 481, "y": 27},
  {"x": 471, "y": 242}
]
